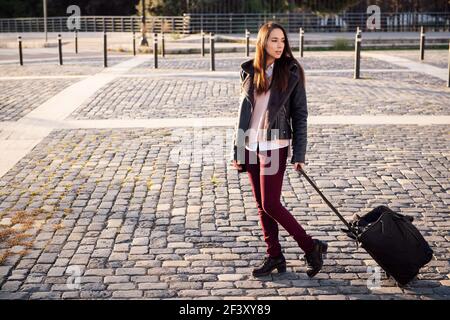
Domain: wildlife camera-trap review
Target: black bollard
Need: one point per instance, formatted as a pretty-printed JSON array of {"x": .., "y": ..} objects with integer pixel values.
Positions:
[
  {"x": 211, "y": 41},
  {"x": 422, "y": 43},
  {"x": 448, "y": 80},
  {"x": 60, "y": 50},
  {"x": 134, "y": 43},
  {"x": 19, "y": 39},
  {"x": 301, "y": 42},
  {"x": 357, "y": 53},
  {"x": 203, "y": 44},
  {"x": 76, "y": 41},
  {"x": 163, "y": 50},
  {"x": 105, "y": 51},
  {"x": 247, "y": 40},
  {"x": 155, "y": 50}
]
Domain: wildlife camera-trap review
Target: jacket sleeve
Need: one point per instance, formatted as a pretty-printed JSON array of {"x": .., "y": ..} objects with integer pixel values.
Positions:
[
  {"x": 236, "y": 125},
  {"x": 299, "y": 115}
]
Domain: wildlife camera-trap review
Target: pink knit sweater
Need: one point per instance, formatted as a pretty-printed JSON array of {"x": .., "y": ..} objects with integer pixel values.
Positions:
[{"x": 257, "y": 126}]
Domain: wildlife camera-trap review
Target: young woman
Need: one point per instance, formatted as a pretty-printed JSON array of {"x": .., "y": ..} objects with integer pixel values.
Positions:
[{"x": 272, "y": 97}]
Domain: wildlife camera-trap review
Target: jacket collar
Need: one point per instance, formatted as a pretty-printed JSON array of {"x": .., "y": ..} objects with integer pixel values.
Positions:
[
  {"x": 276, "y": 98},
  {"x": 247, "y": 66}
]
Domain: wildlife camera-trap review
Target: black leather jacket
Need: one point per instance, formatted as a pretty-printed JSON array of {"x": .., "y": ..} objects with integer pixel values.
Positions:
[{"x": 287, "y": 112}]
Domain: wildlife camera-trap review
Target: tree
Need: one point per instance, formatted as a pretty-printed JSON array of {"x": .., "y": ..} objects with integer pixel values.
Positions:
[
  {"x": 20, "y": 8},
  {"x": 93, "y": 7},
  {"x": 327, "y": 6},
  {"x": 162, "y": 7},
  {"x": 33, "y": 8}
]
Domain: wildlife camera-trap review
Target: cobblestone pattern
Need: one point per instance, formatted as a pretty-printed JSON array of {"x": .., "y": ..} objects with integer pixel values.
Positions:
[
  {"x": 310, "y": 61},
  {"x": 329, "y": 95},
  {"x": 437, "y": 58},
  {"x": 19, "y": 97},
  {"x": 134, "y": 224},
  {"x": 418, "y": 80},
  {"x": 142, "y": 98},
  {"x": 344, "y": 60}
]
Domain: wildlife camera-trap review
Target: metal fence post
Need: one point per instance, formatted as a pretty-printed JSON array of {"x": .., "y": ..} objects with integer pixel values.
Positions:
[
  {"x": 163, "y": 49},
  {"x": 134, "y": 43},
  {"x": 211, "y": 41},
  {"x": 247, "y": 40},
  {"x": 105, "y": 50},
  {"x": 155, "y": 49},
  {"x": 19, "y": 39},
  {"x": 422, "y": 43},
  {"x": 357, "y": 53},
  {"x": 76, "y": 41},
  {"x": 203, "y": 44},
  {"x": 60, "y": 50},
  {"x": 301, "y": 42},
  {"x": 448, "y": 80}
]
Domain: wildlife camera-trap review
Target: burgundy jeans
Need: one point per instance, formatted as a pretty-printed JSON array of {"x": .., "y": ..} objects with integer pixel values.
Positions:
[{"x": 266, "y": 171}]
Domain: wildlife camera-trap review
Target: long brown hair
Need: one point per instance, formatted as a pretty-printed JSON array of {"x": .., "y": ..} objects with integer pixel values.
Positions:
[{"x": 281, "y": 66}]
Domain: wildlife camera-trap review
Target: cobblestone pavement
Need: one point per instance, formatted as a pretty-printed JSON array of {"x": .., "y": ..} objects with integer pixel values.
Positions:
[
  {"x": 403, "y": 77},
  {"x": 137, "y": 225},
  {"x": 311, "y": 60},
  {"x": 18, "y": 97},
  {"x": 437, "y": 58},
  {"x": 337, "y": 95},
  {"x": 143, "y": 213},
  {"x": 393, "y": 75},
  {"x": 141, "y": 98}
]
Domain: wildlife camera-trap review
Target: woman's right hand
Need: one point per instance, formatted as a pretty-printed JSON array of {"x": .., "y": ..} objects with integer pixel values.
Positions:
[{"x": 236, "y": 164}]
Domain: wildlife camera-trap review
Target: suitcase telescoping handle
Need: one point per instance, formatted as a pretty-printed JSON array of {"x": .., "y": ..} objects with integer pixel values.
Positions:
[{"x": 328, "y": 202}]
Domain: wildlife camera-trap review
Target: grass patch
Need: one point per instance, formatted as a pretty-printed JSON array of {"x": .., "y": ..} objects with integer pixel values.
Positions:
[
  {"x": 176, "y": 36},
  {"x": 341, "y": 44},
  {"x": 58, "y": 226},
  {"x": 4, "y": 256},
  {"x": 15, "y": 234},
  {"x": 214, "y": 181},
  {"x": 5, "y": 233}
]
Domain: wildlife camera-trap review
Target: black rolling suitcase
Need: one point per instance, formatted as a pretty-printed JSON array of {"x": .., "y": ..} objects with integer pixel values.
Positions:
[{"x": 390, "y": 239}]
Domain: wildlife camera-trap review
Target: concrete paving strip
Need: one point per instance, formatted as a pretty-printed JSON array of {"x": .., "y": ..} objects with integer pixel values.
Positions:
[
  {"x": 441, "y": 73},
  {"x": 227, "y": 122},
  {"x": 19, "y": 138}
]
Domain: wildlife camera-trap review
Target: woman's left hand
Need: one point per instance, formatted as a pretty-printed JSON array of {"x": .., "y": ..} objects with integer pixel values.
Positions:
[{"x": 298, "y": 166}]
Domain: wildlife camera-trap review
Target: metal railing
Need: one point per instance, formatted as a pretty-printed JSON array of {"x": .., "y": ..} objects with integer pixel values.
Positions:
[
  {"x": 345, "y": 22},
  {"x": 235, "y": 23},
  {"x": 96, "y": 24}
]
